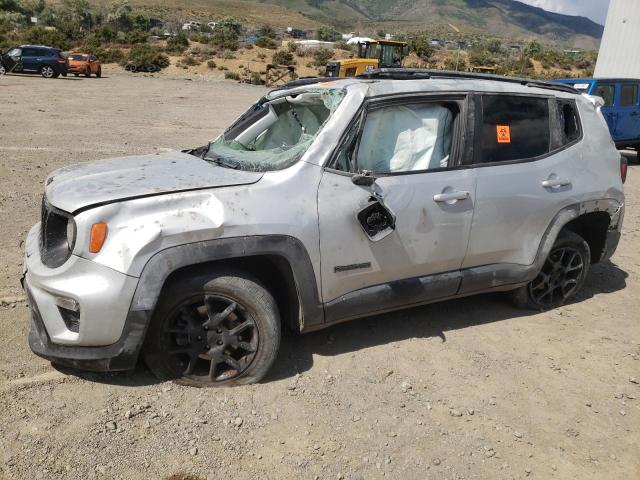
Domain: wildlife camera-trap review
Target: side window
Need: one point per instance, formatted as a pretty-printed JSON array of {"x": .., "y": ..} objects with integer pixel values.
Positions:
[
  {"x": 569, "y": 121},
  {"x": 629, "y": 95},
  {"x": 92, "y": 58},
  {"x": 29, "y": 52},
  {"x": 407, "y": 138},
  {"x": 513, "y": 128},
  {"x": 607, "y": 93}
]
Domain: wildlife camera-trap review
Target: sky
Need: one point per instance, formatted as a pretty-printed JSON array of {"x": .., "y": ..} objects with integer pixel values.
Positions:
[{"x": 596, "y": 10}]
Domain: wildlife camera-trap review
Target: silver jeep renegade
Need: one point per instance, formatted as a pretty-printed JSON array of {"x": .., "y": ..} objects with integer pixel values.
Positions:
[{"x": 326, "y": 201}]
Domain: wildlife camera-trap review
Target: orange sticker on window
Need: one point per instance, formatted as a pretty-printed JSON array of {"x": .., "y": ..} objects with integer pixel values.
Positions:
[{"x": 504, "y": 133}]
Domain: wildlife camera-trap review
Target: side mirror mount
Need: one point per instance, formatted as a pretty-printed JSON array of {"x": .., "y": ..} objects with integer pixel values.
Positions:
[{"x": 363, "y": 179}]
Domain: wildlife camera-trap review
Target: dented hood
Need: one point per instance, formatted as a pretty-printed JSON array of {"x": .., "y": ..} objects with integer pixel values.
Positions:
[{"x": 106, "y": 181}]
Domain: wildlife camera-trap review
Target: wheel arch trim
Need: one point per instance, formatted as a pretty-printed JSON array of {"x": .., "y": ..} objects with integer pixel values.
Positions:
[{"x": 165, "y": 262}]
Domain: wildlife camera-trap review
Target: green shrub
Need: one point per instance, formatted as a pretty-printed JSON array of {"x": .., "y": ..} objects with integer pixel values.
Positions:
[
  {"x": 145, "y": 54},
  {"x": 177, "y": 44},
  {"x": 136, "y": 36},
  {"x": 421, "y": 46},
  {"x": 266, "y": 42},
  {"x": 327, "y": 34},
  {"x": 255, "y": 79},
  {"x": 227, "y": 55},
  {"x": 266, "y": 31},
  {"x": 211, "y": 64},
  {"x": 226, "y": 34},
  {"x": 261, "y": 56},
  {"x": 188, "y": 61},
  {"x": 39, "y": 35},
  {"x": 342, "y": 45},
  {"x": 282, "y": 57},
  {"x": 231, "y": 76},
  {"x": 321, "y": 56},
  {"x": 106, "y": 55}
]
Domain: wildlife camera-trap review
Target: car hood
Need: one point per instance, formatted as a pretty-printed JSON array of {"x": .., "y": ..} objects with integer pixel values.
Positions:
[{"x": 84, "y": 185}]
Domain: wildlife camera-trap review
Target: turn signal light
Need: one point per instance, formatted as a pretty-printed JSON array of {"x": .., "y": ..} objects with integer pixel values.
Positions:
[{"x": 98, "y": 236}]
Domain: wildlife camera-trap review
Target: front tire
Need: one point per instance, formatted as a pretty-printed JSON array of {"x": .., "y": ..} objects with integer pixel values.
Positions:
[
  {"x": 99, "y": 73},
  {"x": 213, "y": 329},
  {"x": 562, "y": 276}
]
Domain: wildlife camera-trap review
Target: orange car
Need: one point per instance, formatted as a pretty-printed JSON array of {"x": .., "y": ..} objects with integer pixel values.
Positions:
[{"x": 84, "y": 63}]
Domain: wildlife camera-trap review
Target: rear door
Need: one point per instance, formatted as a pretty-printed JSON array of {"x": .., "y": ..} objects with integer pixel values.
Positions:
[
  {"x": 524, "y": 164},
  {"x": 627, "y": 111}
]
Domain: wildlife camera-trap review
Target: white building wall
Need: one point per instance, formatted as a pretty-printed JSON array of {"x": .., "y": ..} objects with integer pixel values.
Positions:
[{"x": 619, "y": 55}]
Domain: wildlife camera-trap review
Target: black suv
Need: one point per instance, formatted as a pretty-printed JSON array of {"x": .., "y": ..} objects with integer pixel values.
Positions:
[{"x": 47, "y": 61}]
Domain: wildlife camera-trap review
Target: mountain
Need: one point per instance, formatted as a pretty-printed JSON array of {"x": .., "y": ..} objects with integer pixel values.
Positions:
[{"x": 507, "y": 18}]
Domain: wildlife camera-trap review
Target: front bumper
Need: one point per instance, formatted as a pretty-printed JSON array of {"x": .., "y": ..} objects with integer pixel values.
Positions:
[{"x": 106, "y": 337}]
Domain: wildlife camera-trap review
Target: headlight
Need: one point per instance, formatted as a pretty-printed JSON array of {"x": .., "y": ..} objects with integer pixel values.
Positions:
[{"x": 71, "y": 233}]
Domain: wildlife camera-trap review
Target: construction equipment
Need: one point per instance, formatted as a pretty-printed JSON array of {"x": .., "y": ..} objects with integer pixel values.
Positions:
[{"x": 371, "y": 55}]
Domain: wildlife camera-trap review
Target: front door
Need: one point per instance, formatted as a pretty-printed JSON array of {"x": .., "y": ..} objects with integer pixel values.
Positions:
[{"x": 400, "y": 241}]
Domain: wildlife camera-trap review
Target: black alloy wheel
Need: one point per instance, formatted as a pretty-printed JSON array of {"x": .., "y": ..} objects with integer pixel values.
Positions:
[
  {"x": 212, "y": 329},
  {"x": 212, "y": 337},
  {"x": 559, "y": 278}
]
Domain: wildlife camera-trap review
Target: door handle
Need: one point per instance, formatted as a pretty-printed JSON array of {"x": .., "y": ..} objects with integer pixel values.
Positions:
[
  {"x": 556, "y": 182},
  {"x": 451, "y": 196}
]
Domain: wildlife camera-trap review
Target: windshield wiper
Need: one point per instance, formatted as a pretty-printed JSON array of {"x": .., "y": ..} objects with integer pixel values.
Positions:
[{"x": 222, "y": 162}]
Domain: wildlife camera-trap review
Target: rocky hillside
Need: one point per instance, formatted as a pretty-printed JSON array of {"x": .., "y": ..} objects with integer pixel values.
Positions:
[{"x": 504, "y": 17}]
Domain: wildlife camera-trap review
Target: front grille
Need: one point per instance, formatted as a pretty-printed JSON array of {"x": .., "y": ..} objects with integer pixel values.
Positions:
[{"x": 54, "y": 247}]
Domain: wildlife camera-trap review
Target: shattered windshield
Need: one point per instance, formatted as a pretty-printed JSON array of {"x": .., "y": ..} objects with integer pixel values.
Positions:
[{"x": 274, "y": 135}]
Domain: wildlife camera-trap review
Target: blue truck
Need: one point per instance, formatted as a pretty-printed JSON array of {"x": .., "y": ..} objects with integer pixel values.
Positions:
[{"x": 621, "y": 106}]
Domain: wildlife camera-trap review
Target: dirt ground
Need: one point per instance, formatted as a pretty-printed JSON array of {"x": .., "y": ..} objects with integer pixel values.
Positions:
[{"x": 468, "y": 389}]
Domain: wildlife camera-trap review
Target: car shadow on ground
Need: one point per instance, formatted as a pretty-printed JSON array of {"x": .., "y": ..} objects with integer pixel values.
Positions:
[
  {"x": 38, "y": 76},
  {"x": 429, "y": 321}
]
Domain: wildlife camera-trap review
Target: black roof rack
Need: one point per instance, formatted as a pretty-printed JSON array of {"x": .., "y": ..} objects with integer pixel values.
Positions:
[
  {"x": 423, "y": 74},
  {"x": 306, "y": 81}
]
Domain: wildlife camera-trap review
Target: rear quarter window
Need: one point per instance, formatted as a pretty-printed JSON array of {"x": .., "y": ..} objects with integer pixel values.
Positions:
[{"x": 512, "y": 127}]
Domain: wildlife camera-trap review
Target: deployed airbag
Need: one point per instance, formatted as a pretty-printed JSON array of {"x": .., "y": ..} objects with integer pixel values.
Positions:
[{"x": 406, "y": 138}]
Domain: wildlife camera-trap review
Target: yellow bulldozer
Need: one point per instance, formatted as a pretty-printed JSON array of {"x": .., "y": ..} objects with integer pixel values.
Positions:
[{"x": 372, "y": 54}]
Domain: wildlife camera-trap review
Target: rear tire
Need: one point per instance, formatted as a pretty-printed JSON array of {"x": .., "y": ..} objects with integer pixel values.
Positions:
[
  {"x": 562, "y": 276},
  {"x": 213, "y": 329},
  {"x": 47, "y": 71}
]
